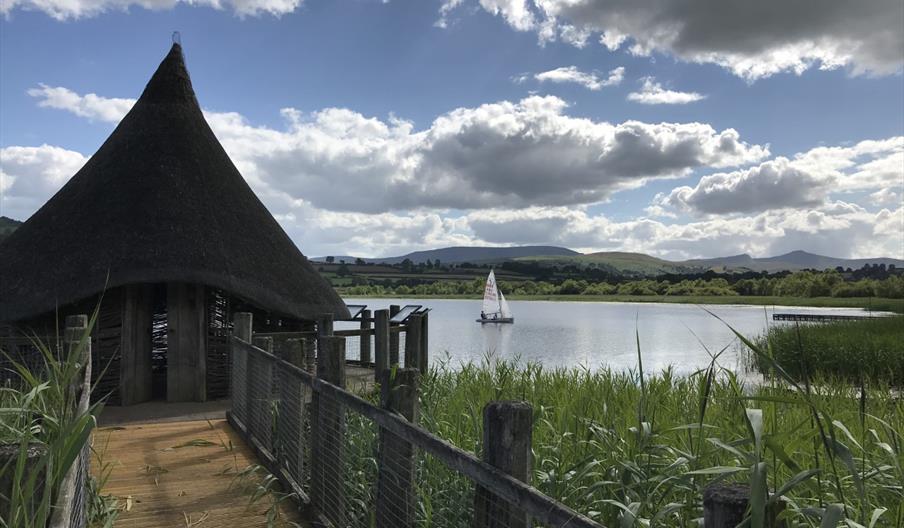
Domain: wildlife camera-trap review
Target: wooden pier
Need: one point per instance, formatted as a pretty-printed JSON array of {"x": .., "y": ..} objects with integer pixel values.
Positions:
[{"x": 817, "y": 318}]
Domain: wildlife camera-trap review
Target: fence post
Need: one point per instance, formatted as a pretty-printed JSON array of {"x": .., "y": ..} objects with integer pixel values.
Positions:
[
  {"x": 413, "y": 342},
  {"x": 507, "y": 429},
  {"x": 289, "y": 425},
  {"x": 724, "y": 506},
  {"x": 425, "y": 353},
  {"x": 396, "y": 478},
  {"x": 365, "y": 338},
  {"x": 324, "y": 329},
  {"x": 393, "y": 337},
  {"x": 293, "y": 352},
  {"x": 328, "y": 434},
  {"x": 381, "y": 350},
  {"x": 242, "y": 323}
]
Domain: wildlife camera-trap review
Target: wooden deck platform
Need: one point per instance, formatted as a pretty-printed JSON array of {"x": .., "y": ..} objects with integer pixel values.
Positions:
[{"x": 183, "y": 474}]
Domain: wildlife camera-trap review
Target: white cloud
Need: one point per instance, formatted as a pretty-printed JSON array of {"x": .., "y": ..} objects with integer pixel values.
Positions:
[
  {"x": 751, "y": 39},
  {"x": 29, "y": 176},
  {"x": 571, "y": 74},
  {"x": 807, "y": 180},
  {"x": 505, "y": 154},
  {"x": 75, "y": 9},
  {"x": 652, "y": 93},
  {"x": 92, "y": 106}
]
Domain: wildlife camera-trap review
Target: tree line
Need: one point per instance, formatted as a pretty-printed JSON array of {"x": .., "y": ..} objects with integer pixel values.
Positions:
[{"x": 830, "y": 283}]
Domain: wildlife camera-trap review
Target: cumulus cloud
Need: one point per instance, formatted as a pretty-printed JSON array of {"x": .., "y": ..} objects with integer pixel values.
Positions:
[
  {"x": 75, "y": 9},
  {"x": 652, "y": 93},
  {"x": 751, "y": 39},
  {"x": 29, "y": 176},
  {"x": 806, "y": 180},
  {"x": 107, "y": 109},
  {"x": 505, "y": 154},
  {"x": 571, "y": 74}
]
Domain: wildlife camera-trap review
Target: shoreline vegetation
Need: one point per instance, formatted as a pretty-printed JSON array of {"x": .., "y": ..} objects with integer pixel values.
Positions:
[{"x": 866, "y": 303}]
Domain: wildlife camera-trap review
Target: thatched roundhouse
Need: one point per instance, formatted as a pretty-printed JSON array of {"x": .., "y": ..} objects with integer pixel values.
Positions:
[{"x": 160, "y": 222}]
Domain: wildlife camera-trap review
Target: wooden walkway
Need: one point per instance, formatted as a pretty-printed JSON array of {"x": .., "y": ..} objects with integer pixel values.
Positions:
[
  {"x": 818, "y": 318},
  {"x": 183, "y": 474}
]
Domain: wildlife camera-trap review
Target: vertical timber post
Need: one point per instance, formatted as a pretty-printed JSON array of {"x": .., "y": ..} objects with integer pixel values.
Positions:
[
  {"x": 324, "y": 329},
  {"x": 396, "y": 478},
  {"x": 393, "y": 337},
  {"x": 365, "y": 337},
  {"x": 413, "y": 342},
  {"x": 242, "y": 324},
  {"x": 381, "y": 346},
  {"x": 724, "y": 506},
  {"x": 310, "y": 347},
  {"x": 507, "y": 429},
  {"x": 425, "y": 354},
  {"x": 290, "y": 419},
  {"x": 328, "y": 434}
]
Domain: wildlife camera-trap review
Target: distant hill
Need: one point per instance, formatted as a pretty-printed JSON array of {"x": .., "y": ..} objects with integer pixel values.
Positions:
[
  {"x": 619, "y": 262},
  {"x": 7, "y": 226},
  {"x": 793, "y": 261},
  {"x": 642, "y": 264},
  {"x": 459, "y": 254}
]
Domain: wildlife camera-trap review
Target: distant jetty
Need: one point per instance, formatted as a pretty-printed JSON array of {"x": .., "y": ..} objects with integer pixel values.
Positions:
[{"x": 817, "y": 318}]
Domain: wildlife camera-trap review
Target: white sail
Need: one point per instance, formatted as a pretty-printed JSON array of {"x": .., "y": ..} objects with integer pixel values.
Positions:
[
  {"x": 490, "y": 296},
  {"x": 504, "y": 306}
]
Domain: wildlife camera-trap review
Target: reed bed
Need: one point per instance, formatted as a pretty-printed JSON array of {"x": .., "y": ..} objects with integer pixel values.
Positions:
[
  {"x": 866, "y": 350},
  {"x": 630, "y": 449}
]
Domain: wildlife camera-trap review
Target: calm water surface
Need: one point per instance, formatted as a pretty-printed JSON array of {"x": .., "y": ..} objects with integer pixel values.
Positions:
[{"x": 593, "y": 335}]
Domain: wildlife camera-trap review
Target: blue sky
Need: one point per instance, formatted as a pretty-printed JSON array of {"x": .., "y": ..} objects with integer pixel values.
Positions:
[{"x": 756, "y": 144}]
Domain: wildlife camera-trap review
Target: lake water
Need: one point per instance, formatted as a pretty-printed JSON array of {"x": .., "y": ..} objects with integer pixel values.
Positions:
[{"x": 591, "y": 334}]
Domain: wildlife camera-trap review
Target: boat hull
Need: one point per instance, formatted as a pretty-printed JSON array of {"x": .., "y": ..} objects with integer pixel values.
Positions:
[{"x": 501, "y": 320}]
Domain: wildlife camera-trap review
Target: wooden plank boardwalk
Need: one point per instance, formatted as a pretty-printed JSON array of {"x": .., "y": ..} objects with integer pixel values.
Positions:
[
  {"x": 183, "y": 474},
  {"x": 819, "y": 318}
]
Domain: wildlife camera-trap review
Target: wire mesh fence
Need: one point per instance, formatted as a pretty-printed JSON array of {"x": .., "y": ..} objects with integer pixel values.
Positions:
[{"x": 360, "y": 460}]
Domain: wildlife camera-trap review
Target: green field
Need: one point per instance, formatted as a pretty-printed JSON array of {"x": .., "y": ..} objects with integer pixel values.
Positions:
[{"x": 882, "y": 305}]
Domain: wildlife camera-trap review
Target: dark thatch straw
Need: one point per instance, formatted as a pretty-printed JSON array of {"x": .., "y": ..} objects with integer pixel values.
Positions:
[{"x": 159, "y": 202}]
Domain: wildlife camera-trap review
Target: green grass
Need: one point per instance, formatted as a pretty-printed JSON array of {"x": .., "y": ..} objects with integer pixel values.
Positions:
[
  {"x": 633, "y": 450},
  {"x": 875, "y": 304},
  {"x": 871, "y": 349}
]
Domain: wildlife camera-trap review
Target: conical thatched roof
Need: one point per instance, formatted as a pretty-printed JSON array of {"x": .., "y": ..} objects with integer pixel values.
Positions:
[{"x": 159, "y": 202}]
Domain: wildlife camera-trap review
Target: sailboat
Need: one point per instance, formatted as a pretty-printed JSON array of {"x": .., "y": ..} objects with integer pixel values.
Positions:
[{"x": 495, "y": 308}]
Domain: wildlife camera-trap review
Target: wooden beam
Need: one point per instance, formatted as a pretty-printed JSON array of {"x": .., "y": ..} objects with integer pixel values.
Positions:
[{"x": 186, "y": 357}]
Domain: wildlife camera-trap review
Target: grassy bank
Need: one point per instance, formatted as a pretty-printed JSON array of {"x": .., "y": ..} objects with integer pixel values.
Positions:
[
  {"x": 871, "y": 349},
  {"x": 640, "y": 453},
  {"x": 876, "y": 304}
]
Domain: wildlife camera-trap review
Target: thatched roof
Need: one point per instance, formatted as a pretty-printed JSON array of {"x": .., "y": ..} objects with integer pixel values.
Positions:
[{"x": 159, "y": 202}]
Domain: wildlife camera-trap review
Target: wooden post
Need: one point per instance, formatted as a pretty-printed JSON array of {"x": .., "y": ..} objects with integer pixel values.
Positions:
[
  {"x": 393, "y": 338},
  {"x": 324, "y": 328},
  {"x": 413, "y": 343},
  {"x": 365, "y": 338},
  {"x": 310, "y": 347},
  {"x": 425, "y": 353},
  {"x": 293, "y": 352},
  {"x": 396, "y": 478},
  {"x": 507, "y": 429},
  {"x": 381, "y": 349},
  {"x": 242, "y": 325},
  {"x": 186, "y": 353},
  {"x": 135, "y": 374},
  {"x": 724, "y": 506},
  {"x": 328, "y": 434},
  {"x": 290, "y": 420}
]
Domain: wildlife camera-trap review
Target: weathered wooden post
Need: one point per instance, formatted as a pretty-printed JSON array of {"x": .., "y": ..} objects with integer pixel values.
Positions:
[
  {"x": 507, "y": 427},
  {"x": 381, "y": 346},
  {"x": 289, "y": 428},
  {"x": 724, "y": 506},
  {"x": 324, "y": 329},
  {"x": 425, "y": 353},
  {"x": 413, "y": 354},
  {"x": 242, "y": 324},
  {"x": 328, "y": 434},
  {"x": 80, "y": 392},
  {"x": 310, "y": 346},
  {"x": 396, "y": 477},
  {"x": 394, "y": 337},
  {"x": 364, "y": 347}
]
